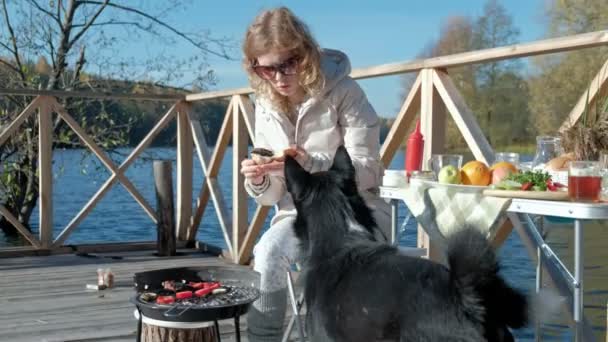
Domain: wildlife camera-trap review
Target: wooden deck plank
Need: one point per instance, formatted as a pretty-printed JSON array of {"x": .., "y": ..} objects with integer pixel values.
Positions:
[{"x": 45, "y": 298}]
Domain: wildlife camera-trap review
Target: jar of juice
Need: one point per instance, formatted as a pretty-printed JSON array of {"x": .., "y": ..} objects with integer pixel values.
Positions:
[{"x": 584, "y": 181}]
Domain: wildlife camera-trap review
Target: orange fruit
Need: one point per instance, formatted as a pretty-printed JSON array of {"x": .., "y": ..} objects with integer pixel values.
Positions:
[
  {"x": 475, "y": 173},
  {"x": 504, "y": 164}
]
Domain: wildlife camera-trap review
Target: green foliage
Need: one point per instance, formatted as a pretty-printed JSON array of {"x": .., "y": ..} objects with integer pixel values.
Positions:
[
  {"x": 560, "y": 79},
  {"x": 496, "y": 93},
  {"x": 510, "y": 106},
  {"x": 538, "y": 179}
]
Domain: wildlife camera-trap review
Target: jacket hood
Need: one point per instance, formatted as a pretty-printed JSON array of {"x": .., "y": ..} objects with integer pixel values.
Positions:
[{"x": 335, "y": 66}]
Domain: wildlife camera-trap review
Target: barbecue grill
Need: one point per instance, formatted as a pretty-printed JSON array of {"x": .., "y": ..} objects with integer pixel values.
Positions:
[{"x": 241, "y": 285}]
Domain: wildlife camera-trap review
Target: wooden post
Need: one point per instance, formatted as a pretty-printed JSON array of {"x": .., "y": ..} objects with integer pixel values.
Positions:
[
  {"x": 211, "y": 172},
  {"x": 240, "y": 140},
  {"x": 432, "y": 125},
  {"x": 211, "y": 186},
  {"x": 164, "y": 206},
  {"x": 257, "y": 222},
  {"x": 152, "y": 333},
  {"x": 432, "y": 119},
  {"x": 45, "y": 172},
  {"x": 184, "y": 172}
]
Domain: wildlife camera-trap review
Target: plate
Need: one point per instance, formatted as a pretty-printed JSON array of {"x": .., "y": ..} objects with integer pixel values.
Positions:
[
  {"x": 457, "y": 187},
  {"x": 539, "y": 195}
]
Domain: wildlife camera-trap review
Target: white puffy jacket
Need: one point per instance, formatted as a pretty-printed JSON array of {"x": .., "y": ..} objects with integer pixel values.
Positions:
[{"x": 340, "y": 114}]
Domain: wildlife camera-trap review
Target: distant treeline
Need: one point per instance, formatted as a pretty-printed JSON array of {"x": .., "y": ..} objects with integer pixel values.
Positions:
[
  {"x": 209, "y": 113},
  {"x": 517, "y": 99}
]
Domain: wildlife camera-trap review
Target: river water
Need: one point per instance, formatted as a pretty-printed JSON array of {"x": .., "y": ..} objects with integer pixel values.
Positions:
[{"x": 117, "y": 217}]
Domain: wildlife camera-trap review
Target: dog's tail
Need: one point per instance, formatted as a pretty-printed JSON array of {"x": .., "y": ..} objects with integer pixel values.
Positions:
[{"x": 474, "y": 270}]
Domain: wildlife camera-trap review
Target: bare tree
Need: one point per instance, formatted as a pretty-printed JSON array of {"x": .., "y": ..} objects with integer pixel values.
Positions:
[{"x": 83, "y": 44}]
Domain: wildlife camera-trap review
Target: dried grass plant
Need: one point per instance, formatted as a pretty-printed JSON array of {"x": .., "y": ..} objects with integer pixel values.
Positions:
[{"x": 588, "y": 137}]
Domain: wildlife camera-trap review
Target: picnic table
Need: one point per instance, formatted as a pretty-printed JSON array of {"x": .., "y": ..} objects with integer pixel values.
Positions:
[{"x": 520, "y": 212}]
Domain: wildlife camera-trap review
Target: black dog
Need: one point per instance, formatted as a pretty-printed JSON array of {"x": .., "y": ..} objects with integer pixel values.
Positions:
[{"x": 361, "y": 290}]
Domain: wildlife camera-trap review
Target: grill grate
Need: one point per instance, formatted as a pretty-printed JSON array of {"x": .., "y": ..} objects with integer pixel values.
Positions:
[
  {"x": 234, "y": 296},
  {"x": 241, "y": 285}
]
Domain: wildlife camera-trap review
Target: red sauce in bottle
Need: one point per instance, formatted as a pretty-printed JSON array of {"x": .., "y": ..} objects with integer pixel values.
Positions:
[{"x": 414, "y": 150}]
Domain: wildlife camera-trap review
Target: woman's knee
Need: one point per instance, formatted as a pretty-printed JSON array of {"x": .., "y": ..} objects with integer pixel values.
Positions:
[
  {"x": 268, "y": 252},
  {"x": 276, "y": 247}
]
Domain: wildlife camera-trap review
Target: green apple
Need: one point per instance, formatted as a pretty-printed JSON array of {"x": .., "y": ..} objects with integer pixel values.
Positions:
[{"x": 449, "y": 174}]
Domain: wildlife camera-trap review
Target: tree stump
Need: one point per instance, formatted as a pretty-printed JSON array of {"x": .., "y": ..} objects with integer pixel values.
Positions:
[{"x": 153, "y": 333}]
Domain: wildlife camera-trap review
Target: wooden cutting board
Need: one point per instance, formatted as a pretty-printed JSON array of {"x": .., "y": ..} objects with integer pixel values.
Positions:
[{"x": 539, "y": 195}]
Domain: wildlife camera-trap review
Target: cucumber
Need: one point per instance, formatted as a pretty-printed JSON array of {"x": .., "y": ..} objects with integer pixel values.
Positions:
[{"x": 509, "y": 185}]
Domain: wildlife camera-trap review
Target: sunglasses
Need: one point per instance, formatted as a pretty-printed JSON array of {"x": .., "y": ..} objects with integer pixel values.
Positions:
[{"x": 287, "y": 68}]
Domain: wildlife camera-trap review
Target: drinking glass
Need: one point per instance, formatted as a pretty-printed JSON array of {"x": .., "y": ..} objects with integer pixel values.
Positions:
[
  {"x": 584, "y": 181},
  {"x": 510, "y": 157},
  {"x": 419, "y": 177},
  {"x": 438, "y": 161},
  {"x": 604, "y": 173}
]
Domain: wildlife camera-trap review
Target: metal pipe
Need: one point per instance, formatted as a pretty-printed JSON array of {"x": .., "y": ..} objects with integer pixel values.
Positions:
[
  {"x": 216, "y": 327},
  {"x": 549, "y": 255},
  {"x": 394, "y": 221},
  {"x": 539, "y": 285},
  {"x": 578, "y": 279},
  {"x": 295, "y": 308},
  {"x": 237, "y": 326}
]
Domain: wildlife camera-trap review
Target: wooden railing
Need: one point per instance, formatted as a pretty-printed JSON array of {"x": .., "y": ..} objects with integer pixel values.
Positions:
[{"x": 433, "y": 95}]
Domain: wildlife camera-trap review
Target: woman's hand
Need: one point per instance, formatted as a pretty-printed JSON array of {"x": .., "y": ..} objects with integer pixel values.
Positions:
[
  {"x": 252, "y": 172},
  {"x": 302, "y": 156},
  {"x": 255, "y": 173}
]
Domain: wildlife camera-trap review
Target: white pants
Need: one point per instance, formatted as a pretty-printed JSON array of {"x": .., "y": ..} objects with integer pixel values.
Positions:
[{"x": 279, "y": 247}]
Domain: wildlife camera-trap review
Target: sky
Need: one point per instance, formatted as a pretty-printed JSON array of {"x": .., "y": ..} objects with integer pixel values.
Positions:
[{"x": 369, "y": 32}]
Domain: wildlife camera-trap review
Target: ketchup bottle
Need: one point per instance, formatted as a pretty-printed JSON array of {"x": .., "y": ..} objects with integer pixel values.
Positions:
[{"x": 415, "y": 147}]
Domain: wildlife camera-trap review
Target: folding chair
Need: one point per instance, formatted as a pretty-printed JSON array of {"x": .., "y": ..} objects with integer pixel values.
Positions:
[{"x": 296, "y": 307}]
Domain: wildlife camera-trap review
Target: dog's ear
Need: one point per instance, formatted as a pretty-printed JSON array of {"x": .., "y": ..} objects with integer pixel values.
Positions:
[
  {"x": 296, "y": 177},
  {"x": 343, "y": 165}
]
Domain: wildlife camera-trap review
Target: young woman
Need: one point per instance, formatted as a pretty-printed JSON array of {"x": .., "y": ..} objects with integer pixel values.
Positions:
[{"x": 304, "y": 100}]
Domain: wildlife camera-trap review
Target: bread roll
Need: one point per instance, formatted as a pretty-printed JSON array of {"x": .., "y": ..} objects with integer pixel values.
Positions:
[
  {"x": 264, "y": 156},
  {"x": 559, "y": 163}
]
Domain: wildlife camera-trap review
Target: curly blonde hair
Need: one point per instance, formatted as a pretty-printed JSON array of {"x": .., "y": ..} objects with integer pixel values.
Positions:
[{"x": 279, "y": 30}]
